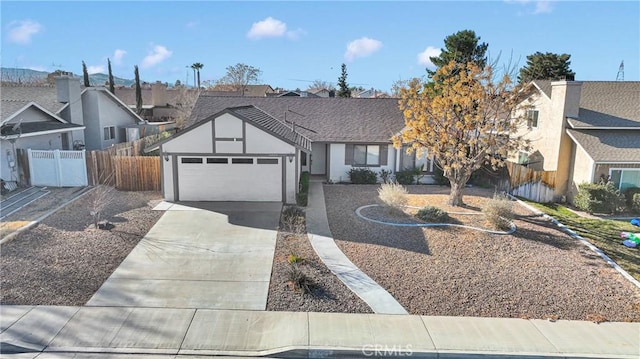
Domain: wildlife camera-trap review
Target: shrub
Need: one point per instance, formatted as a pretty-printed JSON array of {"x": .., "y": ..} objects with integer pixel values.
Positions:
[
  {"x": 362, "y": 176},
  {"x": 629, "y": 195},
  {"x": 393, "y": 195},
  {"x": 404, "y": 177},
  {"x": 498, "y": 211},
  {"x": 432, "y": 214},
  {"x": 598, "y": 198},
  {"x": 302, "y": 197},
  {"x": 635, "y": 203},
  {"x": 385, "y": 176},
  {"x": 299, "y": 280},
  {"x": 294, "y": 258},
  {"x": 293, "y": 219}
]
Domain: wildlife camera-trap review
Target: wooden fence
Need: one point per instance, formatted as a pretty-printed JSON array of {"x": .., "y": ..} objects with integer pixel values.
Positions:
[
  {"x": 524, "y": 182},
  {"x": 123, "y": 167}
]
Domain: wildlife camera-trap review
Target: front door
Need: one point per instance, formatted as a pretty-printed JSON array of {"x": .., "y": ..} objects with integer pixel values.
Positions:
[{"x": 318, "y": 158}]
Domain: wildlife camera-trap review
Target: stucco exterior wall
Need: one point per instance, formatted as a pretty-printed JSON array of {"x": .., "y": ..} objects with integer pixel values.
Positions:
[
  {"x": 339, "y": 171},
  {"x": 583, "y": 166},
  {"x": 228, "y": 126},
  {"x": 291, "y": 181},
  {"x": 167, "y": 177},
  {"x": 198, "y": 140},
  {"x": 259, "y": 141},
  {"x": 100, "y": 111}
]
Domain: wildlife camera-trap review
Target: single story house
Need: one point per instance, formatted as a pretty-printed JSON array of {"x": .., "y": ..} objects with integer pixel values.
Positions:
[
  {"x": 586, "y": 131},
  {"x": 255, "y": 148}
]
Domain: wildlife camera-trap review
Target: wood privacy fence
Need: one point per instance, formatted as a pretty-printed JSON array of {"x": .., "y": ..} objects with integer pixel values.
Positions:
[
  {"x": 122, "y": 166},
  {"x": 524, "y": 182}
]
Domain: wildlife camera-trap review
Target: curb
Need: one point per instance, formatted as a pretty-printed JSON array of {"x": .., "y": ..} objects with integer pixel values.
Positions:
[
  {"x": 11, "y": 236},
  {"x": 575, "y": 235}
]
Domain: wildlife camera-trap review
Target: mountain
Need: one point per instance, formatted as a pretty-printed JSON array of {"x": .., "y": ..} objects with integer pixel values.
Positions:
[{"x": 12, "y": 74}]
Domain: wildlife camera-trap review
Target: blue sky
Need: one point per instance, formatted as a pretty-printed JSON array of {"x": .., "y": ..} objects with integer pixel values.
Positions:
[{"x": 294, "y": 43}]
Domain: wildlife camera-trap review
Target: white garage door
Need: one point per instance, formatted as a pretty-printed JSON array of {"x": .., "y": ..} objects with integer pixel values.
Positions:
[{"x": 229, "y": 179}]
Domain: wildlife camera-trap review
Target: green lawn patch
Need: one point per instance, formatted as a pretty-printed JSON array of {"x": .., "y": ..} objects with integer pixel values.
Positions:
[{"x": 602, "y": 233}]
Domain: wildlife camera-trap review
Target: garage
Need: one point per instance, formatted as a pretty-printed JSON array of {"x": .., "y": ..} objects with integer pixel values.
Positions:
[
  {"x": 239, "y": 154},
  {"x": 229, "y": 179}
]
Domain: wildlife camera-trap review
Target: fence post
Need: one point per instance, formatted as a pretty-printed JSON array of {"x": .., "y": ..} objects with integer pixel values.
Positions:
[{"x": 58, "y": 167}]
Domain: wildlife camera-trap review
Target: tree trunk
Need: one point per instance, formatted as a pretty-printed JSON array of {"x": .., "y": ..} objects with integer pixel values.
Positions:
[{"x": 455, "y": 197}]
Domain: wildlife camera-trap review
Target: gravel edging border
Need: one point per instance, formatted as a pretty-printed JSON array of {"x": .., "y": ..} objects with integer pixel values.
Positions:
[
  {"x": 359, "y": 214},
  {"x": 575, "y": 235},
  {"x": 11, "y": 236}
]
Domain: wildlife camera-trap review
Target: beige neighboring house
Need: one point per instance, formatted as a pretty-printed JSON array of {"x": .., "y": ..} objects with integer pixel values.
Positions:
[{"x": 586, "y": 131}]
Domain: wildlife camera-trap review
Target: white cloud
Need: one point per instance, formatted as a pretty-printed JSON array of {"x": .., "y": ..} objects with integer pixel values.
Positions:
[
  {"x": 97, "y": 69},
  {"x": 361, "y": 47},
  {"x": 20, "y": 32},
  {"x": 296, "y": 34},
  {"x": 158, "y": 54},
  {"x": 424, "y": 56},
  {"x": 192, "y": 24},
  {"x": 268, "y": 27},
  {"x": 543, "y": 7},
  {"x": 118, "y": 55}
]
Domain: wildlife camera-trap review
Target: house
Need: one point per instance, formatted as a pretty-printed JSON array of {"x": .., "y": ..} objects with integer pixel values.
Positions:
[
  {"x": 584, "y": 130},
  {"x": 63, "y": 117},
  {"x": 254, "y": 149},
  {"x": 292, "y": 94}
]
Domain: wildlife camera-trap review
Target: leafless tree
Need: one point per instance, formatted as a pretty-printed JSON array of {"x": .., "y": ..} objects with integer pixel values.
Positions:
[
  {"x": 239, "y": 76},
  {"x": 185, "y": 101},
  {"x": 99, "y": 199}
]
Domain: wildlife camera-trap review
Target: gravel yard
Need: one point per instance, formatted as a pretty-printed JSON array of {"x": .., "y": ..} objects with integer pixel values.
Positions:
[
  {"x": 538, "y": 272},
  {"x": 64, "y": 260},
  {"x": 329, "y": 295}
]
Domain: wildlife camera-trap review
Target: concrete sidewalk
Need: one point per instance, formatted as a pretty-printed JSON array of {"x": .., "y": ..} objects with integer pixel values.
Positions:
[
  {"x": 63, "y": 332},
  {"x": 376, "y": 297}
]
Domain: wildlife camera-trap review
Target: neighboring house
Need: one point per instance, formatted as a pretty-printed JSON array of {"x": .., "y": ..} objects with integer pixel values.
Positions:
[
  {"x": 586, "y": 131},
  {"x": 63, "y": 117},
  {"x": 323, "y": 92},
  {"x": 224, "y": 155},
  {"x": 249, "y": 90},
  {"x": 292, "y": 94}
]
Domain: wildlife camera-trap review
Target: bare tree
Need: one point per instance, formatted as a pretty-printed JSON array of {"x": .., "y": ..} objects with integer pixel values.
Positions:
[
  {"x": 185, "y": 101},
  {"x": 322, "y": 85},
  {"x": 239, "y": 76},
  {"x": 99, "y": 198}
]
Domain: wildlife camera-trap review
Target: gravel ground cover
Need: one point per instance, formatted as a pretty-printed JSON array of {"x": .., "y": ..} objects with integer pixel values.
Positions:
[
  {"x": 538, "y": 272},
  {"x": 329, "y": 293},
  {"x": 64, "y": 260}
]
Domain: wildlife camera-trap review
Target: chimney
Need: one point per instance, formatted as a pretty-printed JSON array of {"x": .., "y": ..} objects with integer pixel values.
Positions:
[
  {"x": 68, "y": 90},
  {"x": 158, "y": 94},
  {"x": 565, "y": 98},
  {"x": 332, "y": 93}
]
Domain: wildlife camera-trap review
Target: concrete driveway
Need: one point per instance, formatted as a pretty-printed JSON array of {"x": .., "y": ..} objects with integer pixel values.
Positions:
[{"x": 214, "y": 255}]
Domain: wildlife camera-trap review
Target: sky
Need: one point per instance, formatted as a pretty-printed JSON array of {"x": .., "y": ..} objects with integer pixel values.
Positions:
[{"x": 294, "y": 43}]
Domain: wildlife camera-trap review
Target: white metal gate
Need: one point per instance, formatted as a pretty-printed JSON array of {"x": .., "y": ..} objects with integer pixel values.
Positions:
[{"x": 57, "y": 168}]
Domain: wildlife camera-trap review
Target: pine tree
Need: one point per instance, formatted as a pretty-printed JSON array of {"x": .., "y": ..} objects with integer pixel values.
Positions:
[
  {"x": 461, "y": 47},
  {"x": 138, "y": 90},
  {"x": 85, "y": 74},
  {"x": 112, "y": 88},
  {"x": 546, "y": 66},
  {"x": 343, "y": 87}
]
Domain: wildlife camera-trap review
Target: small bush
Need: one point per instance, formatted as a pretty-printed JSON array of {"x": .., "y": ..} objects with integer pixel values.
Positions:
[
  {"x": 385, "y": 176},
  {"x": 299, "y": 280},
  {"x": 405, "y": 177},
  {"x": 362, "y": 176},
  {"x": 598, "y": 198},
  {"x": 635, "y": 203},
  {"x": 393, "y": 195},
  {"x": 498, "y": 211},
  {"x": 302, "y": 199},
  {"x": 432, "y": 214},
  {"x": 294, "y": 258},
  {"x": 629, "y": 195},
  {"x": 293, "y": 219}
]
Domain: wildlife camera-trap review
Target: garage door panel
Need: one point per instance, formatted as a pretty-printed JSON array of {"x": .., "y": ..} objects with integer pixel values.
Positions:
[{"x": 260, "y": 181}]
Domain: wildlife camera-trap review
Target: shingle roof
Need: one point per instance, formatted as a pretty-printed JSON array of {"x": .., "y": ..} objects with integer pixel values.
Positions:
[
  {"x": 13, "y": 98},
  {"x": 609, "y": 104},
  {"x": 609, "y": 145},
  {"x": 544, "y": 86},
  {"x": 265, "y": 121},
  {"x": 319, "y": 119}
]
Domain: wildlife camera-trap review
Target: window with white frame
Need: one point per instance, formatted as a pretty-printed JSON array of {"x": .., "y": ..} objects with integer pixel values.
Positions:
[
  {"x": 532, "y": 118},
  {"x": 625, "y": 178},
  {"x": 366, "y": 155},
  {"x": 109, "y": 133}
]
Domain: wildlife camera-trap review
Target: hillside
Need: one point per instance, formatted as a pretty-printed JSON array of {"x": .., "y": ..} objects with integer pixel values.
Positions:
[{"x": 12, "y": 74}]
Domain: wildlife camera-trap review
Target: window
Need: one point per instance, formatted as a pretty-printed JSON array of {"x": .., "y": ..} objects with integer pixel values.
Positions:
[
  {"x": 303, "y": 158},
  {"x": 366, "y": 155},
  {"x": 236, "y": 161},
  {"x": 217, "y": 160},
  {"x": 626, "y": 178},
  {"x": 109, "y": 133},
  {"x": 532, "y": 118},
  {"x": 191, "y": 160},
  {"x": 523, "y": 158},
  {"x": 267, "y": 161}
]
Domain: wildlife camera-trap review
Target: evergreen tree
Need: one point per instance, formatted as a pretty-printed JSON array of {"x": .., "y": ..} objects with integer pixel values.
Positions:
[
  {"x": 85, "y": 74},
  {"x": 461, "y": 47},
  {"x": 112, "y": 88},
  {"x": 138, "y": 90},
  {"x": 343, "y": 87},
  {"x": 547, "y": 66}
]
